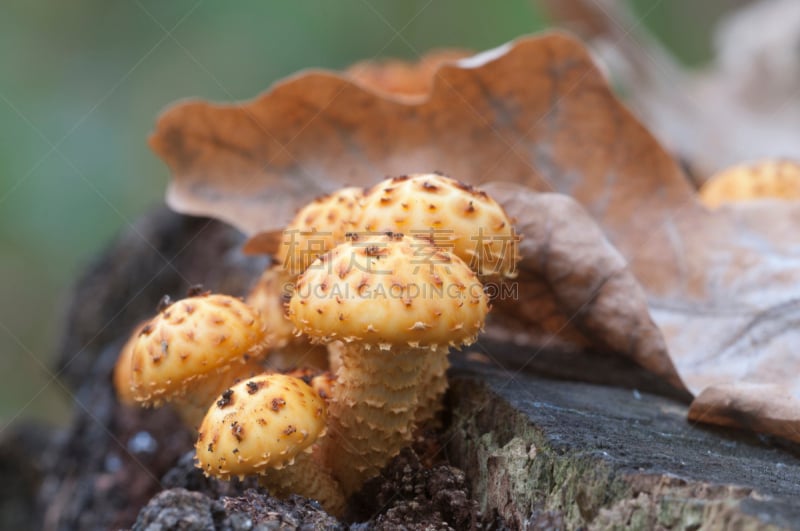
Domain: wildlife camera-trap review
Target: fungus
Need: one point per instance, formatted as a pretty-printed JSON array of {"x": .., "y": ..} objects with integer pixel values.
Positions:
[
  {"x": 779, "y": 179},
  {"x": 452, "y": 216},
  {"x": 287, "y": 350},
  {"x": 122, "y": 374},
  {"x": 193, "y": 406},
  {"x": 269, "y": 295},
  {"x": 317, "y": 228},
  {"x": 408, "y": 312},
  {"x": 449, "y": 214},
  {"x": 320, "y": 381},
  {"x": 189, "y": 341},
  {"x": 266, "y": 426},
  {"x": 323, "y": 384}
]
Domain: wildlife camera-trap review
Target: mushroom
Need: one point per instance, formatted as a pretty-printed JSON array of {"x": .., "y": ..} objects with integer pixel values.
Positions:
[
  {"x": 182, "y": 353},
  {"x": 272, "y": 291},
  {"x": 266, "y": 426},
  {"x": 317, "y": 228},
  {"x": 287, "y": 350},
  {"x": 778, "y": 179},
  {"x": 192, "y": 406},
  {"x": 323, "y": 384},
  {"x": 450, "y": 215},
  {"x": 123, "y": 370},
  {"x": 320, "y": 381},
  {"x": 392, "y": 313}
]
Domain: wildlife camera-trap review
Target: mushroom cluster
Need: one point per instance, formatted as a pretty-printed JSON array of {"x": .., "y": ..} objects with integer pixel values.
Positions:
[{"x": 339, "y": 353}]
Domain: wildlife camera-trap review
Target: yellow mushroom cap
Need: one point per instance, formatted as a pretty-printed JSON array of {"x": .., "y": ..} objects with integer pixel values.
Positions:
[
  {"x": 323, "y": 384},
  {"x": 389, "y": 290},
  {"x": 317, "y": 228},
  {"x": 320, "y": 381},
  {"x": 452, "y": 215},
  {"x": 191, "y": 339},
  {"x": 122, "y": 376},
  {"x": 269, "y": 296},
  {"x": 258, "y": 424},
  {"x": 778, "y": 179}
]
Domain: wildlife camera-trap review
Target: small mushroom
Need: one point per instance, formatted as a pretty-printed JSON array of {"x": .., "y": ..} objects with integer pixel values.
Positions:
[
  {"x": 267, "y": 426},
  {"x": 287, "y": 350},
  {"x": 189, "y": 342},
  {"x": 323, "y": 384},
  {"x": 269, "y": 296},
  {"x": 123, "y": 370},
  {"x": 392, "y": 313},
  {"x": 778, "y": 179},
  {"x": 320, "y": 381},
  {"x": 449, "y": 214},
  {"x": 317, "y": 228},
  {"x": 193, "y": 405}
]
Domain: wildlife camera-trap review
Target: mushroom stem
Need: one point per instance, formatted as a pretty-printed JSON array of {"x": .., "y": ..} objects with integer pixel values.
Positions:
[
  {"x": 432, "y": 388},
  {"x": 307, "y": 478},
  {"x": 372, "y": 411}
]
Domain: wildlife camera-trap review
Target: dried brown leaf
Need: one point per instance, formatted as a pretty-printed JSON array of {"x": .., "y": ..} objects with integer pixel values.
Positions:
[
  {"x": 573, "y": 284},
  {"x": 761, "y": 407}
]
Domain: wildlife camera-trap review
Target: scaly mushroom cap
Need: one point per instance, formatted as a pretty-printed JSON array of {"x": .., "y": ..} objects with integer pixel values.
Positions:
[
  {"x": 269, "y": 296},
  {"x": 778, "y": 179},
  {"x": 123, "y": 370},
  {"x": 321, "y": 381},
  {"x": 189, "y": 340},
  {"x": 389, "y": 290},
  {"x": 323, "y": 384},
  {"x": 287, "y": 351},
  {"x": 450, "y": 214},
  {"x": 259, "y": 424},
  {"x": 317, "y": 228}
]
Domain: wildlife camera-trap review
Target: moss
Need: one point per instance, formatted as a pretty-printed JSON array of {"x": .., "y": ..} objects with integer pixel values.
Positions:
[{"x": 516, "y": 472}]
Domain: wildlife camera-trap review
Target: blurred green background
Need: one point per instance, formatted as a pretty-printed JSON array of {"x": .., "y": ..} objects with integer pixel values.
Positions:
[{"x": 81, "y": 83}]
